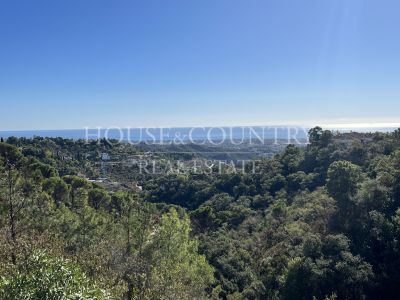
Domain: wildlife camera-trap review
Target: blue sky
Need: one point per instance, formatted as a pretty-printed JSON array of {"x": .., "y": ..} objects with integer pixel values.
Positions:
[{"x": 77, "y": 63}]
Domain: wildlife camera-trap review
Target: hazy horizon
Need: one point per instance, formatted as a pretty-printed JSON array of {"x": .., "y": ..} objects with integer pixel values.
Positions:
[
  {"x": 365, "y": 126},
  {"x": 144, "y": 133}
]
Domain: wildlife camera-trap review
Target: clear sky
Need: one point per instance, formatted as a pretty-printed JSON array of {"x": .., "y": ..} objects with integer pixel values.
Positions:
[{"x": 76, "y": 63}]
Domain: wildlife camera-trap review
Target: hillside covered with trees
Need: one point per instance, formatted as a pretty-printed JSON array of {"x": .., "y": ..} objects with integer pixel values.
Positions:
[{"x": 314, "y": 222}]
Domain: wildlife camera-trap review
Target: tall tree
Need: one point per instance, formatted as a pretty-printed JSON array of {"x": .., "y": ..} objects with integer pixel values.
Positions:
[{"x": 15, "y": 196}]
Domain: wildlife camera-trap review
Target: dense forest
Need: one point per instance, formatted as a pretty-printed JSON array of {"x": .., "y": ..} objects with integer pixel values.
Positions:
[{"x": 321, "y": 221}]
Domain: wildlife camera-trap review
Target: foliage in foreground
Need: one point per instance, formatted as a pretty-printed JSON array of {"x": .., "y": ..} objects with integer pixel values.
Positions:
[
  {"x": 43, "y": 277},
  {"x": 318, "y": 222}
]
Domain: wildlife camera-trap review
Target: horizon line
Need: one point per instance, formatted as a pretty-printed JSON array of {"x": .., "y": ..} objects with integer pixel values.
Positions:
[{"x": 330, "y": 126}]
